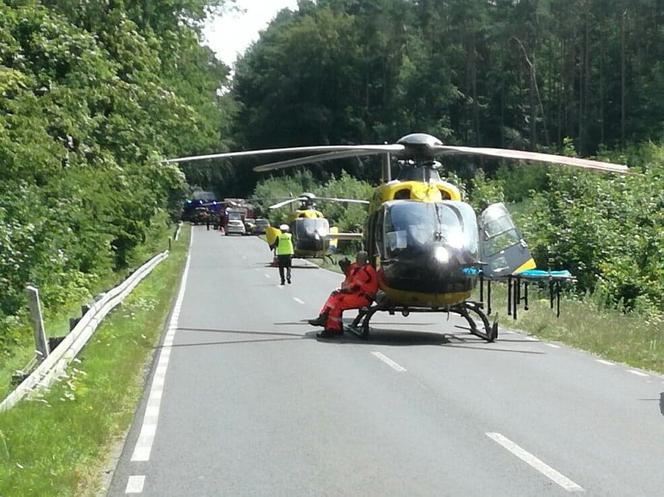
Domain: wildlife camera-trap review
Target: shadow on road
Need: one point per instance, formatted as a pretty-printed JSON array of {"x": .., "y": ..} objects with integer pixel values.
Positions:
[
  {"x": 394, "y": 337},
  {"x": 212, "y": 330},
  {"x": 378, "y": 323},
  {"x": 269, "y": 336},
  {"x": 391, "y": 337},
  {"x": 232, "y": 342},
  {"x": 295, "y": 265},
  {"x": 400, "y": 338},
  {"x": 661, "y": 402}
]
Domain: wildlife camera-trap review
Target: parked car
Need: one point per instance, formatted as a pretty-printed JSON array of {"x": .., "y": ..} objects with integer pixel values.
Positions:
[
  {"x": 249, "y": 225},
  {"x": 261, "y": 226},
  {"x": 235, "y": 226}
]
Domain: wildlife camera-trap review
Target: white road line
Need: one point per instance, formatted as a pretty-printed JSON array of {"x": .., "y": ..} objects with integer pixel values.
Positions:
[
  {"x": 553, "y": 345},
  {"x": 536, "y": 463},
  {"x": 389, "y": 362},
  {"x": 152, "y": 410},
  {"x": 637, "y": 373},
  {"x": 299, "y": 301},
  {"x": 135, "y": 483},
  {"x": 606, "y": 363},
  {"x": 150, "y": 417}
]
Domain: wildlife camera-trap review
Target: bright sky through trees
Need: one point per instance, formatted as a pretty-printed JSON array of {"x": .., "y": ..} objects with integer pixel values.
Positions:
[{"x": 230, "y": 34}]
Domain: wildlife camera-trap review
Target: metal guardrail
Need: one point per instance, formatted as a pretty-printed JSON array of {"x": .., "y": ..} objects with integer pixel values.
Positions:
[{"x": 58, "y": 359}]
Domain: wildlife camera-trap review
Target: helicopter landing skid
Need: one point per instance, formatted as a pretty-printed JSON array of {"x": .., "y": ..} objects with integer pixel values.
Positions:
[{"x": 487, "y": 331}]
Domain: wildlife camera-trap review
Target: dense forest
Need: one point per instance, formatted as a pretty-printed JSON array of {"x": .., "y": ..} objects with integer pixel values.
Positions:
[
  {"x": 93, "y": 95},
  {"x": 525, "y": 74}
]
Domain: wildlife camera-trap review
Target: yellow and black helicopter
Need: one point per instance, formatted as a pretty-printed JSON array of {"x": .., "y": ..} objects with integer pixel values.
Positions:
[
  {"x": 428, "y": 246},
  {"x": 313, "y": 237}
]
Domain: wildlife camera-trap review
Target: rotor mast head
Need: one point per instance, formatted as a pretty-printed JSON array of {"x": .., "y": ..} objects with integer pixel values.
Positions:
[
  {"x": 418, "y": 157},
  {"x": 419, "y": 147},
  {"x": 307, "y": 201}
]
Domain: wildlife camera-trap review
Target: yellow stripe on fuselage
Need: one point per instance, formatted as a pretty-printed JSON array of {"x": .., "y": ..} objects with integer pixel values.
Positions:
[
  {"x": 305, "y": 214},
  {"x": 419, "y": 299},
  {"x": 415, "y": 190},
  {"x": 530, "y": 264}
]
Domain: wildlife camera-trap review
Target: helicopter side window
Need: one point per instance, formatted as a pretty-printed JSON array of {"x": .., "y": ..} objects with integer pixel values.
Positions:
[
  {"x": 390, "y": 236},
  {"x": 403, "y": 194},
  {"x": 396, "y": 241},
  {"x": 376, "y": 227},
  {"x": 497, "y": 226},
  {"x": 444, "y": 194},
  {"x": 499, "y": 234}
]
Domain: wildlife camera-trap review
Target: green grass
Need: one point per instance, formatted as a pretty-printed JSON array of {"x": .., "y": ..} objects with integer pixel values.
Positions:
[
  {"x": 16, "y": 358},
  {"x": 57, "y": 324},
  {"x": 55, "y": 444},
  {"x": 631, "y": 339}
]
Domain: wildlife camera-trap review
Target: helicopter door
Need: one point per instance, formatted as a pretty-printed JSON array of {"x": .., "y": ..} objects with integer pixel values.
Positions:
[{"x": 502, "y": 247}]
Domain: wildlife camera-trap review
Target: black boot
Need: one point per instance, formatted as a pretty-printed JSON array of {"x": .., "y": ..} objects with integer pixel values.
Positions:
[{"x": 319, "y": 321}]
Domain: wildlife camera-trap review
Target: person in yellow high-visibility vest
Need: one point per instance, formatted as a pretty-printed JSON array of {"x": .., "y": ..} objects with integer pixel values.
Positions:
[{"x": 284, "y": 250}]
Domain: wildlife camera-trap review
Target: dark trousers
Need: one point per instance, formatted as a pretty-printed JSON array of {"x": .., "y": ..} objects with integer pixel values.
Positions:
[{"x": 284, "y": 261}]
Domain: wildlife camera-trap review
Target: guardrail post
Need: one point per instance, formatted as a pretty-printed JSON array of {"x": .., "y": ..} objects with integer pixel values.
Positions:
[
  {"x": 34, "y": 304},
  {"x": 170, "y": 241}
]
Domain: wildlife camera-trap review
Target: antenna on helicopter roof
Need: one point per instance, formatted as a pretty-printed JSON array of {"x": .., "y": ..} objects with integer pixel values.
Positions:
[{"x": 386, "y": 173}]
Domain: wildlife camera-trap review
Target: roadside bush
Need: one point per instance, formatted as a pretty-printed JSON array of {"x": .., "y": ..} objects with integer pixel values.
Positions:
[
  {"x": 485, "y": 191},
  {"x": 606, "y": 229},
  {"x": 347, "y": 216},
  {"x": 89, "y": 105}
]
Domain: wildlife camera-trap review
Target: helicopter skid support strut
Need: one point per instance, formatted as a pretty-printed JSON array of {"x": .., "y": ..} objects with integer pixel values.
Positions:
[{"x": 486, "y": 331}]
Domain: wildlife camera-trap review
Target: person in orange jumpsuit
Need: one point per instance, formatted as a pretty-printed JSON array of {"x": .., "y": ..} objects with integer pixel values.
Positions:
[{"x": 357, "y": 290}]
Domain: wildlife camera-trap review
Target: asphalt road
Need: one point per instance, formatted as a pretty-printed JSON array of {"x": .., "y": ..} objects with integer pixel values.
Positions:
[{"x": 244, "y": 401}]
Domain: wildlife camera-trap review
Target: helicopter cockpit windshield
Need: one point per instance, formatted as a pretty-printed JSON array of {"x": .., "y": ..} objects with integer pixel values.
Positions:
[
  {"x": 309, "y": 233},
  {"x": 308, "y": 228},
  {"x": 413, "y": 227}
]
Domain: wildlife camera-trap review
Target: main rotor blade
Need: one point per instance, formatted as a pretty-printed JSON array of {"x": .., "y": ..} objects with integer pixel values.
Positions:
[
  {"x": 343, "y": 200},
  {"x": 535, "y": 156},
  {"x": 285, "y": 202},
  {"x": 355, "y": 152},
  {"x": 289, "y": 150}
]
